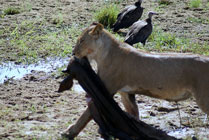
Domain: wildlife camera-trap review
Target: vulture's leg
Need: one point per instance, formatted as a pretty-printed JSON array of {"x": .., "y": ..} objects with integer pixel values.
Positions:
[{"x": 144, "y": 42}]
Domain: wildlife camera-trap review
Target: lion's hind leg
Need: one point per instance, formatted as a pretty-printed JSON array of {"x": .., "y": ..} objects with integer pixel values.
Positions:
[
  {"x": 129, "y": 103},
  {"x": 201, "y": 95}
]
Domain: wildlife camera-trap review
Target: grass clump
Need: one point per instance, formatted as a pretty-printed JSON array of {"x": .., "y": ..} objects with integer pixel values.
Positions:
[
  {"x": 30, "y": 42},
  {"x": 11, "y": 11},
  {"x": 198, "y": 20},
  {"x": 164, "y": 2},
  {"x": 107, "y": 15},
  {"x": 195, "y": 3},
  {"x": 57, "y": 19},
  {"x": 160, "y": 41}
]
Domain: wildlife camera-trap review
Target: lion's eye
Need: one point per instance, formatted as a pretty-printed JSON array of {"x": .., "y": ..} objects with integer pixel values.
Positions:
[{"x": 81, "y": 40}]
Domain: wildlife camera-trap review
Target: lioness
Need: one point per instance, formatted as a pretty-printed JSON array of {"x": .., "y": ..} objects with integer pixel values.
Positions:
[{"x": 124, "y": 69}]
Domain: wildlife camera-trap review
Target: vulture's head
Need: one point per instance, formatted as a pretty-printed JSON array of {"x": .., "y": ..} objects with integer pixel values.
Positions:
[
  {"x": 138, "y": 3},
  {"x": 151, "y": 13}
]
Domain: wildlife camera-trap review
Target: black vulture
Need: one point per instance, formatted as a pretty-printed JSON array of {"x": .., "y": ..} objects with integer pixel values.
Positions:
[
  {"x": 128, "y": 16},
  {"x": 140, "y": 31}
]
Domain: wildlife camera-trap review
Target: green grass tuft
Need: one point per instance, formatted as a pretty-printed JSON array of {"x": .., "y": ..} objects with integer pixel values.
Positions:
[
  {"x": 107, "y": 15},
  {"x": 195, "y": 3},
  {"x": 198, "y": 20},
  {"x": 160, "y": 41},
  {"x": 164, "y": 41},
  {"x": 29, "y": 45},
  {"x": 57, "y": 19},
  {"x": 164, "y": 2},
  {"x": 11, "y": 11}
]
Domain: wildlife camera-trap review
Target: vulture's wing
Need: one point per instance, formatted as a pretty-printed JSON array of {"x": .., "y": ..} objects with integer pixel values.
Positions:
[
  {"x": 127, "y": 13},
  {"x": 135, "y": 28},
  {"x": 123, "y": 11}
]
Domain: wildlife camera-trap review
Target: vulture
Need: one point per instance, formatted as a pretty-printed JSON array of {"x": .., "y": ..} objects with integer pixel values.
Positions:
[
  {"x": 140, "y": 30},
  {"x": 128, "y": 16}
]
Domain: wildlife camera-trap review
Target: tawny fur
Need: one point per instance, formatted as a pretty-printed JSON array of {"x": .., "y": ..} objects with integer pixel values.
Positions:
[{"x": 124, "y": 69}]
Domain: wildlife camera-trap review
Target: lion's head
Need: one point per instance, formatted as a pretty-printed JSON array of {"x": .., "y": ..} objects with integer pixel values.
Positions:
[{"x": 88, "y": 41}]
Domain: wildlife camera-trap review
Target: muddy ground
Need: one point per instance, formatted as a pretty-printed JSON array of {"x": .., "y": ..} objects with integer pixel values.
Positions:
[{"x": 30, "y": 108}]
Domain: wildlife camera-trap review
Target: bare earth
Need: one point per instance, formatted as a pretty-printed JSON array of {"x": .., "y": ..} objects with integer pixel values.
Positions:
[{"x": 30, "y": 108}]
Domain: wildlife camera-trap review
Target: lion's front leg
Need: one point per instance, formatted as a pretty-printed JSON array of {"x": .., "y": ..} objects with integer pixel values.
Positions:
[{"x": 73, "y": 130}]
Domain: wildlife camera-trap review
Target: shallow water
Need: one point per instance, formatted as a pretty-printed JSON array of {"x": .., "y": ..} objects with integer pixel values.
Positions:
[
  {"x": 181, "y": 133},
  {"x": 11, "y": 70},
  {"x": 78, "y": 89}
]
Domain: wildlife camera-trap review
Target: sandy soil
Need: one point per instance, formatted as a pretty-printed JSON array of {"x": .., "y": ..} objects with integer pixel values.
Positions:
[{"x": 30, "y": 108}]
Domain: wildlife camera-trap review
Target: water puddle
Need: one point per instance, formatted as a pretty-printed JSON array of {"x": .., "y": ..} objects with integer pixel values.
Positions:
[
  {"x": 78, "y": 89},
  {"x": 182, "y": 133},
  {"x": 13, "y": 71}
]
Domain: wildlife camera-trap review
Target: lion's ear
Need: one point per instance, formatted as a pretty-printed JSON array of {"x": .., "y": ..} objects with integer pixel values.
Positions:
[{"x": 97, "y": 29}]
